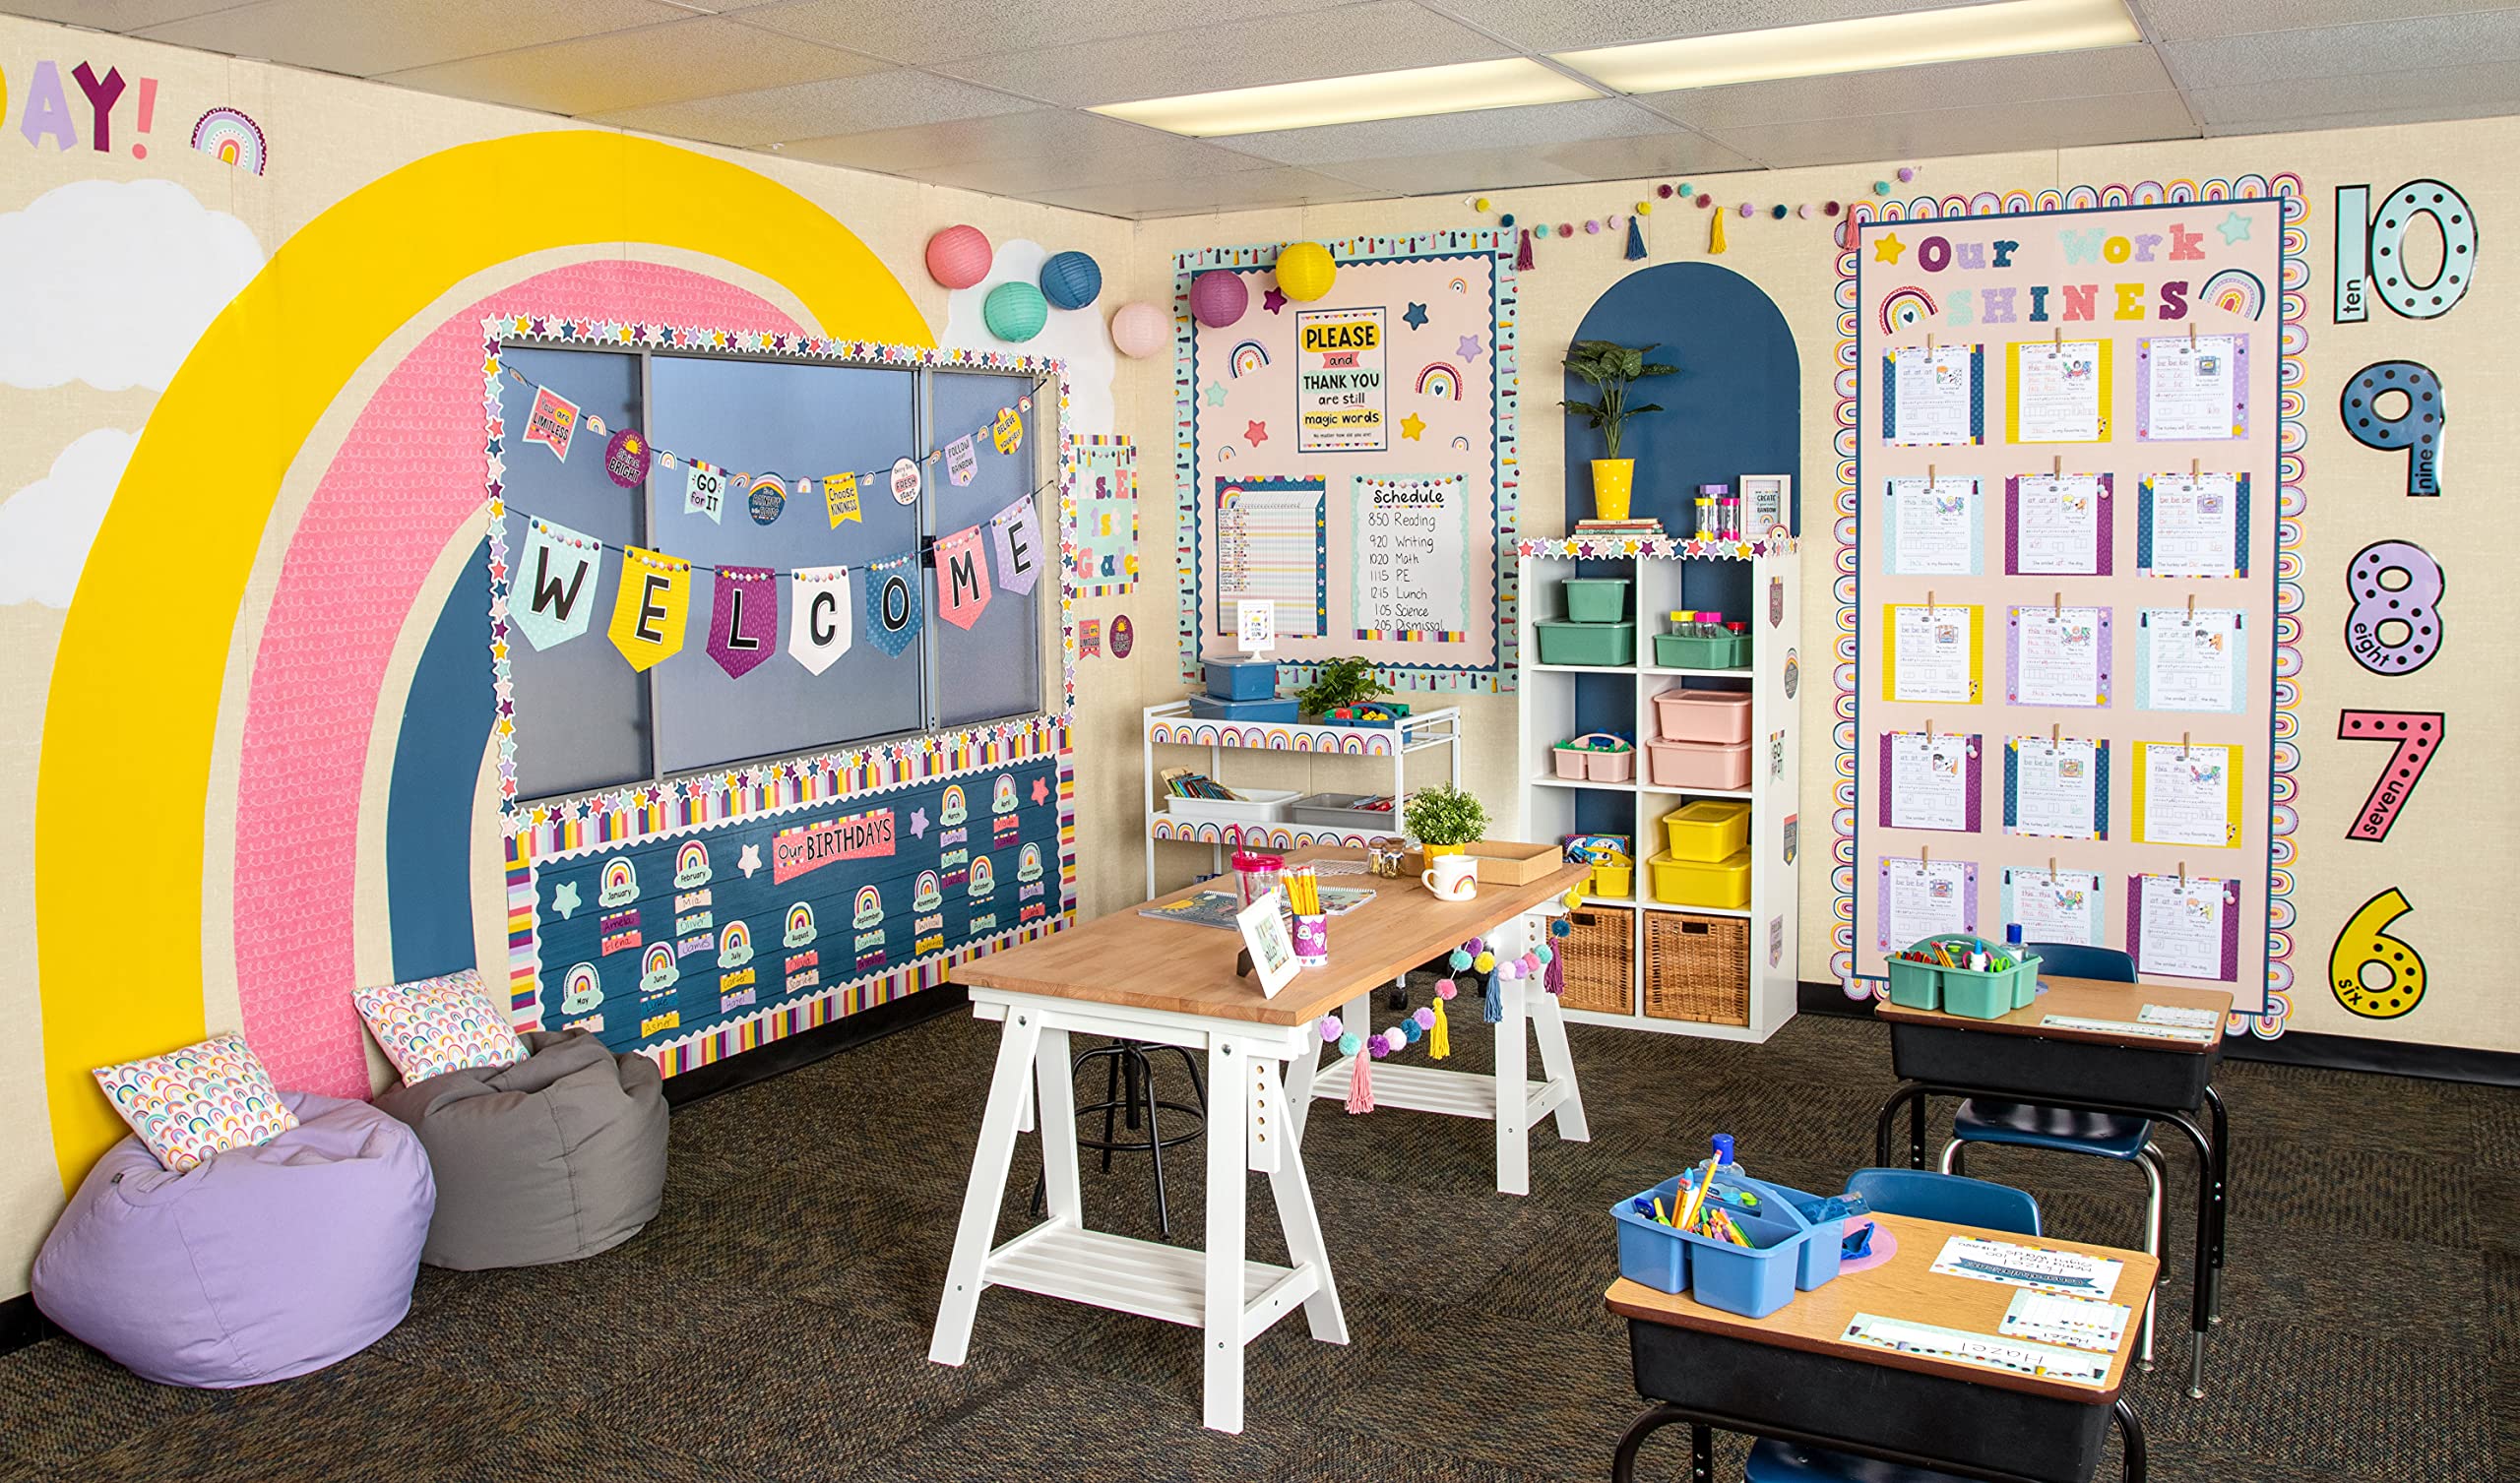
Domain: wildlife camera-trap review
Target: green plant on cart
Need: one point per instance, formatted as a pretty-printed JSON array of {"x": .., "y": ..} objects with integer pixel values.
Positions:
[
  {"x": 1340, "y": 682},
  {"x": 1445, "y": 815},
  {"x": 1612, "y": 368}
]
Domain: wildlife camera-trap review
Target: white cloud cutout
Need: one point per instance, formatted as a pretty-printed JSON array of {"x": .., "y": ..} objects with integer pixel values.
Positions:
[
  {"x": 1078, "y": 337},
  {"x": 110, "y": 282},
  {"x": 46, "y": 528}
]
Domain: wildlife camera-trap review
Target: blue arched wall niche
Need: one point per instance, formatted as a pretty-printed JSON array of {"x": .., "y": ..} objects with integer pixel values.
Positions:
[{"x": 437, "y": 759}]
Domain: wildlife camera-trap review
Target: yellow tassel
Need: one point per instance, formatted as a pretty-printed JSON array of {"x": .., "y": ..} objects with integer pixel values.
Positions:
[
  {"x": 1715, "y": 233},
  {"x": 1438, "y": 1044}
]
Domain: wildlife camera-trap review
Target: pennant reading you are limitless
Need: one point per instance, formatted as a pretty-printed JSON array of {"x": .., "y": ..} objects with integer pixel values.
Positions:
[
  {"x": 552, "y": 423},
  {"x": 961, "y": 577},
  {"x": 743, "y": 619},
  {"x": 560, "y": 568}
]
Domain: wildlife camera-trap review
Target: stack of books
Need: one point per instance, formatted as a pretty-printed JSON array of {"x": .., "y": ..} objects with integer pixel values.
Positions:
[{"x": 1621, "y": 530}]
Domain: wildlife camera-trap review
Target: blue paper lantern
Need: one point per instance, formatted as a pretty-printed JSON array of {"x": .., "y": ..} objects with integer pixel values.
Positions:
[
  {"x": 1015, "y": 312},
  {"x": 1071, "y": 279}
]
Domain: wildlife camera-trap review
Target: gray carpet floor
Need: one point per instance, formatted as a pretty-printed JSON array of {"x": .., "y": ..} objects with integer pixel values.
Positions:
[{"x": 773, "y": 1322}]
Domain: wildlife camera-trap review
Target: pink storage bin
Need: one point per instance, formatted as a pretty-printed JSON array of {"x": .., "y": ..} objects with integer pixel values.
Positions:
[
  {"x": 1610, "y": 766},
  {"x": 1703, "y": 715},
  {"x": 1698, "y": 765},
  {"x": 1580, "y": 764}
]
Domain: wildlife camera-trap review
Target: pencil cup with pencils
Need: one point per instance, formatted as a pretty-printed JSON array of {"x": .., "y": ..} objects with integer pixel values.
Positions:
[{"x": 1312, "y": 924}]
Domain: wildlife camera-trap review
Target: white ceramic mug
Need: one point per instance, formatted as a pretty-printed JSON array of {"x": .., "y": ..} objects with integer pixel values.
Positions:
[{"x": 1455, "y": 878}]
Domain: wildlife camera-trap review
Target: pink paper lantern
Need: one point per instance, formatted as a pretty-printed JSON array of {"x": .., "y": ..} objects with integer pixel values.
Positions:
[
  {"x": 958, "y": 257},
  {"x": 1138, "y": 330},
  {"x": 1218, "y": 298}
]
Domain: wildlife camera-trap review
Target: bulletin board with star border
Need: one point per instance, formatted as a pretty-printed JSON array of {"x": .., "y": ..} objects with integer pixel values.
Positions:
[{"x": 1353, "y": 459}]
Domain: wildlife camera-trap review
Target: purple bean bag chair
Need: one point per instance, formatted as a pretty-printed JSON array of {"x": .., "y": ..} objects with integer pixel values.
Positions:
[{"x": 256, "y": 1265}]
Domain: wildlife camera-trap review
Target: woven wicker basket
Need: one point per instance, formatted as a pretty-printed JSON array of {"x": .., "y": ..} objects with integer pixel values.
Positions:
[
  {"x": 1696, "y": 968},
  {"x": 1597, "y": 955}
]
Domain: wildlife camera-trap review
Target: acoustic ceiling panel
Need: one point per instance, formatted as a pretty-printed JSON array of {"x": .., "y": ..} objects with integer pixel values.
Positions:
[
  {"x": 366, "y": 37},
  {"x": 622, "y": 68},
  {"x": 812, "y": 110}
]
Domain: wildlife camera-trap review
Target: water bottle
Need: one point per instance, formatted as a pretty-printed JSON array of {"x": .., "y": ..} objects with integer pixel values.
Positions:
[{"x": 2014, "y": 946}]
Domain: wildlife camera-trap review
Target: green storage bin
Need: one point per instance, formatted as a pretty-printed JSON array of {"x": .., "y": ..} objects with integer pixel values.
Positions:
[
  {"x": 1679, "y": 652},
  {"x": 1587, "y": 642},
  {"x": 1963, "y": 991},
  {"x": 1595, "y": 599},
  {"x": 1915, "y": 986}
]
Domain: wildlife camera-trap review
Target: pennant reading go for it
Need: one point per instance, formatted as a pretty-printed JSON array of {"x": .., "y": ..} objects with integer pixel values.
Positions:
[
  {"x": 1015, "y": 532},
  {"x": 892, "y": 603},
  {"x": 961, "y": 577},
  {"x": 743, "y": 619},
  {"x": 655, "y": 599},
  {"x": 819, "y": 623},
  {"x": 704, "y": 492},
  {"x": 552, "y": 423},
  {"x": 560, "y": 570}
]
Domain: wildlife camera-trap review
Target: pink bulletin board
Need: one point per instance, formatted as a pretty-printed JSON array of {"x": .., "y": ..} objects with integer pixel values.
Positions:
[
  {"x": 1351, "y": 460},
  {"x": 2027, "y": 545}
]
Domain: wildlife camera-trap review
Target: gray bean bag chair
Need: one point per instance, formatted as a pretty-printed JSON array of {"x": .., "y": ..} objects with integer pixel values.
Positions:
[{"x": 559, "y": 1156}]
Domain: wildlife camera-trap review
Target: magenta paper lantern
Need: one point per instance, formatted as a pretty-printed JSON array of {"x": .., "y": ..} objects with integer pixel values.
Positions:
[
  {"x": 1138, "y": 330},
  {"x": 958, "y": 256},
  {"x": 1219, "y": 297}
]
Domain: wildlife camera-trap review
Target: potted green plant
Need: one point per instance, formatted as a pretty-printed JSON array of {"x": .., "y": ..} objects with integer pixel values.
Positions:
[
  {"x": 1340, "y": 683},
  {"x": 1444, "y": 819},
  {"x": 1612, "y": 368}
]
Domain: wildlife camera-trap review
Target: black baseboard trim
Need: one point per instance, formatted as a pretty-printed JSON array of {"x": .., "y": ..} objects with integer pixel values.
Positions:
[
  {"x": 22, "y": 1324},
  {"x": 809, "y": 1046},
  {"x": 2388, "y": 1057}
]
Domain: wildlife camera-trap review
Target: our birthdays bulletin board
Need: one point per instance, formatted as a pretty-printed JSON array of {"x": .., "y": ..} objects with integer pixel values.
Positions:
[
  {"x": 1350, "y": 460},
  {"x": 2066, "y": 579}
]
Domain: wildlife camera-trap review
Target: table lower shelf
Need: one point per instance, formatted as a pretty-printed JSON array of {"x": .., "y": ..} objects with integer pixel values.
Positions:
[
  {"x": 1144, "y": 1277},
  {"x": 1431, "y": 1088}
]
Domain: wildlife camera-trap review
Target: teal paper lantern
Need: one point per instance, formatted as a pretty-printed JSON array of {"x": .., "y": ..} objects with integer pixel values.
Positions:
[
  {"x": 1015, "y": 312},
  {"x": 1071, "y": 281}
]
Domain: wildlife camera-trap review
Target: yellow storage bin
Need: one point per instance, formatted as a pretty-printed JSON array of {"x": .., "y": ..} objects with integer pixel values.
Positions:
[
  {"x": 1707, "y": 831},
  {"x": 1696, "y": 882},
  {"x": 1614, "y": 880}
]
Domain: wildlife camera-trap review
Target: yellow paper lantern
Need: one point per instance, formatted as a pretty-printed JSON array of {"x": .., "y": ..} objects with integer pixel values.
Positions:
[{"x": 1305, "y": 271}]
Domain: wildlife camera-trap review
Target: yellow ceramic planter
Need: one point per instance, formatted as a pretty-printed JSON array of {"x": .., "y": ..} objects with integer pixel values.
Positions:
[{"x": 1612, "y": 481}]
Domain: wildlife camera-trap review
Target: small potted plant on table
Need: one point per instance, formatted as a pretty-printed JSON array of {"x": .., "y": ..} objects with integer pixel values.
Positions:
[
  {"x": 1444, "y": 820},
  {"x": 1344, "y": 692}
]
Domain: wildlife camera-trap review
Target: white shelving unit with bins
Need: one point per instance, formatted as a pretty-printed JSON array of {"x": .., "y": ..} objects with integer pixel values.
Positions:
[
  {"x": 1170, "y": 726},
  {"x": 1758, "y": 580}
]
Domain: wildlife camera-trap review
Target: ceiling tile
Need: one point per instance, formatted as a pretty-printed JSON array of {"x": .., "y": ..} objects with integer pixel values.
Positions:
[
  {"x": 946, "y": 31},
  {"x": 1158, "y": 156},
  {"x": 1558, "y": 26},
  {"x": 2346, "y": 103},
  {"x": 814, "y": 110},
  {"x": 1452, "y": 133},
  {"x": 916, "y": 147},
  {"x": 1459, "y": 170},
  {"x": 364, "y": 37},
  {"x": 1203, "y": 58},
  {"x": 1912, "y": 90},
  {"x": 2063, "y": 123},
  {"x": 600, "y": 74},
  {"x": 115, "y": 15},
  {"x": 1675, "y": 152},
  {"x": 2194, "y": 20},
  {"x": 2383, "y": 46},
  {"x": 1244, "y": 190}
]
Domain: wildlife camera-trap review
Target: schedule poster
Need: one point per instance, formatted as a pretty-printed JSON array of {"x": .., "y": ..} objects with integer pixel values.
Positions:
[
  {"x": 2065, "y": 502},
  {"x": 1411, "y": 579}
]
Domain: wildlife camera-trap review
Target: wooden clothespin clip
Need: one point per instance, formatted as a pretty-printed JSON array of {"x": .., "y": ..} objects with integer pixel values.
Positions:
[
  {"x": 2056, "y": 735},
  {"x": 1929, "y": 479},
  {"x": 1929, "y": 603},
  {"x": 1930, "y": 339},
  {"x": 2056, "y": 467},
  {"x": 1924, "y": 858},
  {"x": 2058, "y": 614},
  {"x": 2058, "y": 348},
  {"x": 2182, "y": 875},
  {"x": 2195, "y": 469},
  {"x": 1928, "y": 731},
  {"x": 2182, "y": 746},
  {"x": 2051, "y": 868},
  {"x": 2191, "y": 609}
]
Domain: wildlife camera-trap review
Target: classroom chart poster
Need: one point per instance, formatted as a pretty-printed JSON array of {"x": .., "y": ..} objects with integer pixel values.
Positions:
[
  {"x": 2056, "y": 656},
  {"x": 1106, "y": 486},
  {"x": 2189, "y": 388},
  {"x": 1270, "y": 546},
  {"x": 2187, "y": 793},
  {"x": 2059, "y": 525},
  {"x": 1931, "y": 780},
  {"x": 1409, "y": 539},
  {"x": 1343, "y": 395},
  {"x": 1923, "y": 897},
  {"x": 2055, "y": 905},
  {"x": 2192, "y": 525},
  {"x": 2192, "y": 660},
  {"x": 1929, "y": 653},
  {"x": 1934, "y": 530},
  {"x": 2183, "y": 927},
  {"x": 1934, "y": 397},
  {"x": 2056, "y": 787},
  {"x": 2059, "y": 392}
]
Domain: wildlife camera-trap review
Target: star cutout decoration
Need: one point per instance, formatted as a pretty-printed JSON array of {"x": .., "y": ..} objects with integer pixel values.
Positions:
[
  {"x": 2235, "y": 229},
  {"x": 1216, "y": 394},
  {"x": 1411, "y": 425},
  {"x": 919, "y": 824},
  {"x": 1041, "y": 791},
  {"x": 749, "y": 861},
  {"x": 1887, "y": 247},
  {"x": 565, "y": 900},
  {"x": 1257, "y": 432},
  {"x": 1416, "y": 318},
  {"x": 1272, "y": 300},
  {"x": 1469, "y": 350}
]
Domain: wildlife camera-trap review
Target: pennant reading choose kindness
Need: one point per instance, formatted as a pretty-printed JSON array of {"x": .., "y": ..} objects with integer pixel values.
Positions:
[
  {"x": 654, "y": 601},
  {"x": 559, "y": 569},
  {"x": 743, "y": 619}
]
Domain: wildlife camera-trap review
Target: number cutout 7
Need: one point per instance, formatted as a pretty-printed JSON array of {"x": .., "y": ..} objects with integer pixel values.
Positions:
[{"x": 2416, "y": 733}]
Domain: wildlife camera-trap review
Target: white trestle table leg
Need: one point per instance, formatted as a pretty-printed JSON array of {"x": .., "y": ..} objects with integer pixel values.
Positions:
[
  {"x": 1009, "y": 1089},
  {"x": 1057, "y": 1084},
  {"x": 1301, "y": 1073},
  {"x": 1513, "y": 1079},
  {"x": 1557, "y": 1062},
  {"x": 1228, "y": 1143},
  {"x": 1291, "y": 1190}
]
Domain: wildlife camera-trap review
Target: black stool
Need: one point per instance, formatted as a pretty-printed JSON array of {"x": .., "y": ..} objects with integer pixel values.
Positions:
[{"x": 1128, "y": 1095}]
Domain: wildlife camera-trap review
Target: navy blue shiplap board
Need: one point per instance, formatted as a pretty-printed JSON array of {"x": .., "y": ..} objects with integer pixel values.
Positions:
[
  {"x": 437, "y": 761},
  {"x": 1734, "y": 407}
]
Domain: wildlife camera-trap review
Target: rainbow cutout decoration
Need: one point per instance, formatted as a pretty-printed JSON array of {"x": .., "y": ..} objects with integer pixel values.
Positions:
[
  {"x": 953, "y": 809},
  {"x": 1027, "y": 865},
  {"x": 656, "y": 971},
  {"x": 691, "y": 865},
  {"x": 582, "y": 990},
  {"x": 621, "y": 884},
  {"x": 800, "y": 926},
  {"x": 228, "y": 136},
  {"x": 983, "y": 879},
  {"x": 734, "y": 945},
  {"x": 1439, "y": 380},
  {"x": 1906, "y": 309},
  {"x": 870, "y": 907},
  {"x": 2236, "y": 290},
  {"x": 930, "y": 893},
  {"x": 1247, "y": 357},
  {"x": 1001, "y": 799}
]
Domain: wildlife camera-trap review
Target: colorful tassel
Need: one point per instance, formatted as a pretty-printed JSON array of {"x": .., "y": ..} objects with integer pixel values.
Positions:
[
  {"x": 1361, "y": 1083},
  {"x": 1557, "y": 973},
  {"x": 1439, "y": 1043},
  {"x": 1635, "y": 238},
  {"x": 1715, "y": 233},
  {"x": 1495, "y": 999},
  {"x": 1522, "y": 255}
]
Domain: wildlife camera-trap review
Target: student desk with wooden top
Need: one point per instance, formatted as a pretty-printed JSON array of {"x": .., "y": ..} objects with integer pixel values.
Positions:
[
  {"x": 2115, "y": 1067},
  {"x": 1794, "y": 1374},
  {"x": 1174, "y": 983}
]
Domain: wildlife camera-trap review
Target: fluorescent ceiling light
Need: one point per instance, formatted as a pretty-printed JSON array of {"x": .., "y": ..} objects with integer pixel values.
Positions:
[
  {"x": 1412, "y": 93},
  {"x": 1961, "y": 34}
]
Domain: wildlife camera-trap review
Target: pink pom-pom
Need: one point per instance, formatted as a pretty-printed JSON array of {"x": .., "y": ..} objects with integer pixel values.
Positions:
[
  {"x": 1425, "y": 1018},
  {"x": 1445, "y": 988},
  {"x": 1531, "y": 963}
]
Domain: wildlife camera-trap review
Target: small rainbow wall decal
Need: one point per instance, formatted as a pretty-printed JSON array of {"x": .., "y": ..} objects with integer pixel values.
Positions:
[
  {"x": 800, "y": 918},
  {"x": 1440, "y": 381},
  {"x": 1904, "y": 309},
  {"x": 658, "y": 958},
  {"x": 733, "y": 936},
  {"x": 1248, "y": 356},
  {"x": 617, "y": 876},
  {"x": 227, "y": 134},
  {"x": 2236, "y": 289}
]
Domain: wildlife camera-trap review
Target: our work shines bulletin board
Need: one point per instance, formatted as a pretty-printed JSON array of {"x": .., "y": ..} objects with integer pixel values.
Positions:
[
  {"x": 1349, "y": 461},
  {"x": 2066, "y": 579}
]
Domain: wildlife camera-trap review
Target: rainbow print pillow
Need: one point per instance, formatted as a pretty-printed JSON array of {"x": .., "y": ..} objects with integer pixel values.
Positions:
[
  {"x": 190, "y": 1103},
  {"x": 434, "y": 1026}
]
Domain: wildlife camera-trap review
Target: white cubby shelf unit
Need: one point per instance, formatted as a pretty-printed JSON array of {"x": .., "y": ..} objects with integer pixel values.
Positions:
[
  {"x": 1757, "y": 581},
  {"x": 1363, "y": 759}
]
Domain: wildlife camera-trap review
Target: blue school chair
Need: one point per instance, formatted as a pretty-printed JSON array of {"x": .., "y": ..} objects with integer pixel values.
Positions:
[
  {"x": 2101, "y": 1135},
  {"x": 1927, "y": 1196}
]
